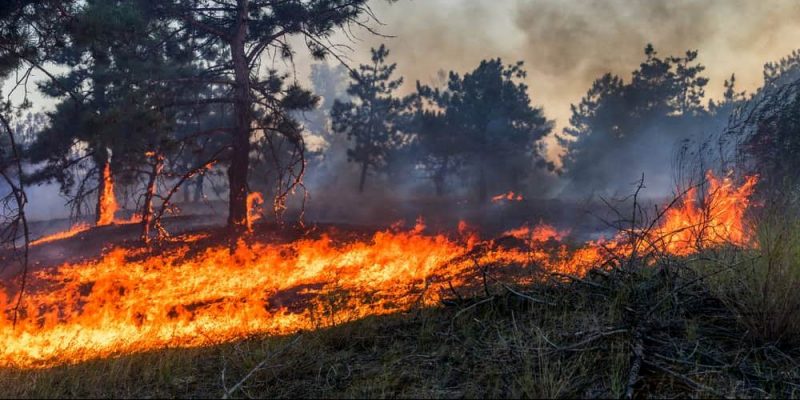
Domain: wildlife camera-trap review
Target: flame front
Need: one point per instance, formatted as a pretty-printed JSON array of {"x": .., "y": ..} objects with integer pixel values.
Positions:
[
  {"x": 74, "y": 230},
  {"x": 130, "y": 301},
  {"x": 719, "y": 219}
]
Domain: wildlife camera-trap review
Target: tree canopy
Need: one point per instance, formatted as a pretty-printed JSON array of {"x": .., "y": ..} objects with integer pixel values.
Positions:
[
  {"x": 494, "y": 124},
  {"x": 372, "y": 119}
]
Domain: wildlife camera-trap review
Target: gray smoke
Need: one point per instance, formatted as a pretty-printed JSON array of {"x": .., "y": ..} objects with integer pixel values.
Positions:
[{"x": 566, "y": 44}]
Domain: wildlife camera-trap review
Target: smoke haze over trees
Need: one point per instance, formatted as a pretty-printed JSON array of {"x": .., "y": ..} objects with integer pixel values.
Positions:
[{"x": 162, "y": 99}]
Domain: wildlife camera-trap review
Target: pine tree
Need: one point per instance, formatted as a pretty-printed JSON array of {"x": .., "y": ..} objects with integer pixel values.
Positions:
[
  {"x": 372, "y": 120},
  {"x": 617, "y": 122},
  {"x": 106, "y": 109},
  {"x": 498, "y": 130},
  {"x": 232, "y": 38}
]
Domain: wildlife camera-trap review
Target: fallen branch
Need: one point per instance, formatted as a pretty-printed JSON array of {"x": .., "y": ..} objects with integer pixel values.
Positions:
[{"x": 636, "y": 364}]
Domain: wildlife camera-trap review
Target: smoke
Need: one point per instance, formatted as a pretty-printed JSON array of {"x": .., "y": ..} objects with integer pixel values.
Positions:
[
  {"x": 46, "y": 202},
  {"x": 568, "y": 44}
]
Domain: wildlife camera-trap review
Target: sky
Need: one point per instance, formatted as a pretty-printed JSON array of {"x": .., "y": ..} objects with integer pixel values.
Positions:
[{"x": 566, "y": 44}]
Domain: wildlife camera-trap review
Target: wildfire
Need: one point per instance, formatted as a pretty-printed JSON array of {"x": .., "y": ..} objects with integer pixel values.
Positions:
[
  {"x": 83, "y": 227},
  {"x": 510, "y": 196},
  {"x": 130, "y": 301},
  {"x": 74, "y": 230},
  {"x": 108, "y": 201},
  {"x": 540, "y": 233},
  {"x": 717, "y": 220}
]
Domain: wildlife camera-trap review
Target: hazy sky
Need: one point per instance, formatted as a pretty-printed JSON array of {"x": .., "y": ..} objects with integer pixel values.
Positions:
[{"x": 566, "y": 44}]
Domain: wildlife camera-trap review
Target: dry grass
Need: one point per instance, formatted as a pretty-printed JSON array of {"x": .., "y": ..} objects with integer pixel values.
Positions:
[
  {"x": 582, "y": 343},
  {"x": 720, "y": 323},
  {"x": 763, "y": 286}
]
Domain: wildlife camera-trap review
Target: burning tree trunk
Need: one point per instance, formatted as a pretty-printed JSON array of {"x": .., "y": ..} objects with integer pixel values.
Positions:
[
  {"x": 147, "y": 208},
  {"x": 240, "y": 153},
  {"x": 106, "y": 202}
]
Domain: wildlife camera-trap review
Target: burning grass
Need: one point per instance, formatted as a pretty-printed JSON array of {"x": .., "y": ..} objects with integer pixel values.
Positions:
[
  {"x": 580, "y": 341},
  {"x": 613, "y": 300},
  {"x": 73, "y": 231}
]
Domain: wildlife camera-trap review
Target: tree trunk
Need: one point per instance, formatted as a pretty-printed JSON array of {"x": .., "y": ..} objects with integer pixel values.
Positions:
[
  {"x": 198, "y": 187},
  {"x": 102, "y": 156},
  {"x": 363, "y": 177},
  {"x": 147, "y": 208},
  {"x": 101, "y": 186},
  {"x": 186, "y": 194},
  {"x": 240, "y": 144},
  {"x": 106, "y": 203}
]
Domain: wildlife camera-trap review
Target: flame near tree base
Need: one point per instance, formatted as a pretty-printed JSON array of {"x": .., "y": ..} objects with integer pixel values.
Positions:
[{"x": 130, "y": 300}]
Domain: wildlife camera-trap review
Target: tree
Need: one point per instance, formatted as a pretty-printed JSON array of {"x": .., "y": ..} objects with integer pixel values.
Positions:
[
  {"x": 497, "y": 128},
  {"x": 783, "y": 71},
  {"x": 372, "y": 120},
  {"x": 765, "y": 128},
  {"x": 617, "y": 123},
  {"x": 437, "y": 143},
  {"x": 242, "y": 32},
  {"x": 107, "y": 108}
]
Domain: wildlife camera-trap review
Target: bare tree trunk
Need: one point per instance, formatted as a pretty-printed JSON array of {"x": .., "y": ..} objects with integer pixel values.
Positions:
[
  {"x": 363, "y": 177},
  {"x": 187, "y": 195},
  {"x": 147, "y": 208},
  {"x": 198, "y": 188},
  {"x": 240, "y": 155}
]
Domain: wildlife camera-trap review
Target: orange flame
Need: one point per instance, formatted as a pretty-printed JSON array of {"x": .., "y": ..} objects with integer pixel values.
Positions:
[
  {"x": 539, "y": 233},
  {"x": 107, "y": 201},
  {"x": 130, "y": 301},
  {"x": 718, "y": 220},
  {"x": 74, "y": 230},
  {"x": 254, "y": 203},
  {"x": 510, "y": 196}
]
